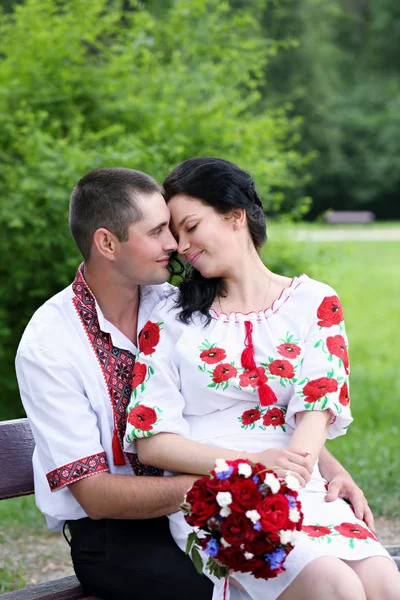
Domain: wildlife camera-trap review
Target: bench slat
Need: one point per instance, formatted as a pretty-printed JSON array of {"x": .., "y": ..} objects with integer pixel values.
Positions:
[
  {"x": 16, "y": 449},
  {"x": 67, "y": 588}
]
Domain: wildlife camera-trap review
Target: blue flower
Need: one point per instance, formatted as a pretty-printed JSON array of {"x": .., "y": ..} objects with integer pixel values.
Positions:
[
  {"x": 257, "y": 526},
  {"x": 276, "y": 558},
  {"x": 256, "y": 479},
  {"x": 291, "y": 500},
  {"x": 225, "y": 474},
  {"x": 212, "y": 547}
]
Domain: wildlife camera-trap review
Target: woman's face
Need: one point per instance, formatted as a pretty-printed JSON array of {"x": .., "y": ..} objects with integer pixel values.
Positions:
[{"x": 206, "y": 239}]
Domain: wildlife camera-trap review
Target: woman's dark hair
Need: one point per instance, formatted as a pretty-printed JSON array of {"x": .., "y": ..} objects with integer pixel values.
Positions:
[{"x": 224, "y": 186}]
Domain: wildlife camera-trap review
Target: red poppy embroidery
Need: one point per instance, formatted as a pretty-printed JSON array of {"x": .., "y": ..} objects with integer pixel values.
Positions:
[
  {"x": 289, "y": 350},
  {"x": 317, "y": 388},
  {"x": 316, "y": 531},
  {"x": 250, "y": 416},
  {"x": 142, "y": 417},
  {"x": 330, "y": 312},
  {"x": 149, "y": 338},
  {"x": 138, "y": 374},
  {"x": 344, "y": 397},
  {"x": 224, "y": 372},
  {"x": 352, "y": 530},
  {"x": 275, "y": 417},
  {"x": 281, "y": 368},
  {"x": 337, "y": 346},
  {"x": 255, "y": 377},
  {"x": 213, "y": 355}
]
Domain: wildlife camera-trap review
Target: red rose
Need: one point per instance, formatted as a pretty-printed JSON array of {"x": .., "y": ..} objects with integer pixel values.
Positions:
[
  {"x": 352, "y": 530},
  {"x": 344, "y": 397},
  {"x": 149, "y": 337},
  {"x": 262, "y": 570},
  {"x": 219, "y": 485},
  {"x": 254, "y": 377},
  {"x": 213, "y": 355},
  {"x": 330, "y": 312},
  {"x": 289, "y": 350},
  {"x": 259, "y": 545},
  {"x": 316, "y": 531},
  {"x": 250, "y": 416},
  {"x": 142, "y": 417},
  {"x": 336, "y": 345},
  {"x": 138, "y": 374},
  {"x": 237, "y": 529},
  {"x": 275, "y": 417},
  {"x": 200, "y": 513},
  {"x": 231, "y": 557},
  {"x": 245, "y": 495},
  {"x": 274, "y": 512},
  {"x": 200, "y": 491},
  {"x": 224, "y": 372},
  {"x": 282, "y": 368},
  {"x": 317, "y": 388}
]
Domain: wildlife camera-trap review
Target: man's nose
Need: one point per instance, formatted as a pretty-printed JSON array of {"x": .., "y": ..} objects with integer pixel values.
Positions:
[{"x": 171, "y": 244}]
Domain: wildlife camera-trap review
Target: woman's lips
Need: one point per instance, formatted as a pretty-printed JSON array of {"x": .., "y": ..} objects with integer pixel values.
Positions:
[{"x": 192, "y": 259}]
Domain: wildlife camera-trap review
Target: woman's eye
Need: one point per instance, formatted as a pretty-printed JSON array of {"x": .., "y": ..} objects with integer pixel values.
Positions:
[{"x": 192, "y": 228}]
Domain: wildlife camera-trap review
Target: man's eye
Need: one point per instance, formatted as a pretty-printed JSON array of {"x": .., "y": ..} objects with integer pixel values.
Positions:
[{"x": 158, "y": 232}]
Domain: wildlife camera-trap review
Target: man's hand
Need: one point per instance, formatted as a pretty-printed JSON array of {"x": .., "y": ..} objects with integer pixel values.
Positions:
[{"x": 343, "y": 486}]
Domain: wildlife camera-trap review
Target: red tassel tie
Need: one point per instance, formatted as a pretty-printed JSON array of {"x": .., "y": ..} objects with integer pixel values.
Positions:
[
  {"x": 247, "y": 358},
  {"x": 267, "y": 395},
  {"x": 118, "y": 455}
]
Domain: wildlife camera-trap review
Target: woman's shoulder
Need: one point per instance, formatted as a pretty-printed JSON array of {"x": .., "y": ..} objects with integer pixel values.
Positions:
[{"x": 316, "y": 297}]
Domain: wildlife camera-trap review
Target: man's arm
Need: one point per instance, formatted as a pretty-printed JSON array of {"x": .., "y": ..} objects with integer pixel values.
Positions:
[
  {"x": 342, "y": 485},
  {"x": 110, "y": 496}
]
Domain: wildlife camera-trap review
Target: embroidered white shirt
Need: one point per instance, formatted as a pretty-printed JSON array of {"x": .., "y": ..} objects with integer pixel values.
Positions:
[{"x": 66, "y": 399}]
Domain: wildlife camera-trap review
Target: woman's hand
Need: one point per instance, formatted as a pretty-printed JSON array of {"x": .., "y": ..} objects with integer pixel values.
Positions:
[
  {"x": 343, "y": 486},
  {"x": 282, "y": 460}
]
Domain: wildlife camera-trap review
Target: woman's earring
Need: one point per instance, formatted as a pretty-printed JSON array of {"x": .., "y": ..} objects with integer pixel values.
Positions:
[{"x": 235, "y": 225}]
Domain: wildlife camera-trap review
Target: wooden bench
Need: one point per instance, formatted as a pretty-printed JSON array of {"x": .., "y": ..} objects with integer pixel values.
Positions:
[
  {"x": 16, "y": 449},
  {"x": 338, "y": 217}
]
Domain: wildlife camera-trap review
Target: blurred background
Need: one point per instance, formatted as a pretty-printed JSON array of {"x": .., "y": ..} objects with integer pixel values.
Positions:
[{"x": 305, "y": 94}]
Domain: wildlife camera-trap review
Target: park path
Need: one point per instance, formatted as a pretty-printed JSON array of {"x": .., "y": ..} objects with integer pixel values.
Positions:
[{"x": 348, "y": 234}]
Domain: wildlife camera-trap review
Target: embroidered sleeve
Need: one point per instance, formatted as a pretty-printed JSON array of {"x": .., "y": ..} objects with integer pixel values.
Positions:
[
  {"x": 63, "y": 423},
  {"x": 156, "y": 404},
  {"x": 323, "y": 382}
]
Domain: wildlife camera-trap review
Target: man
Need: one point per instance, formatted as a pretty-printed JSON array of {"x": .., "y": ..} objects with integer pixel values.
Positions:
[{"x": 75, "y": 367}]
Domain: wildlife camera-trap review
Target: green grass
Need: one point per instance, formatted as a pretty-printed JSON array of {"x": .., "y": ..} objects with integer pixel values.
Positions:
[{"x": 367, "y": 279}]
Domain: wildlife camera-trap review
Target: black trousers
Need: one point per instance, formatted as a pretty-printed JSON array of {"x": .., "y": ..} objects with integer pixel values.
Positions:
[{"x": 116, "y": 559}]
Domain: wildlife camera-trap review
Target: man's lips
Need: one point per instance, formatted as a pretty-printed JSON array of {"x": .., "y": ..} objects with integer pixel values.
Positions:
[
  {"x": 193, "y": 257},
  {"x": 163, "y": 260}
]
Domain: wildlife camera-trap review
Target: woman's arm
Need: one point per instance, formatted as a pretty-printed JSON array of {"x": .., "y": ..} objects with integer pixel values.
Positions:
[{"x": 310, "y": 433}]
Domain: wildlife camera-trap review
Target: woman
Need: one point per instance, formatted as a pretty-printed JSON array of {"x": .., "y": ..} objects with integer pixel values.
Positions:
[{"x": 243, "y": 362}]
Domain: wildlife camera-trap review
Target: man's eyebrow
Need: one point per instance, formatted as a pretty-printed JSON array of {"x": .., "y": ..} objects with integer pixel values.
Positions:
[
  {"x": 159, "y": 226},
  {"x": 186, "y": 218}
]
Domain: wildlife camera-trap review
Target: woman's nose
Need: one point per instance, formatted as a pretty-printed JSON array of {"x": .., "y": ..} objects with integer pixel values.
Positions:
[{"x": 183, "y": 245}]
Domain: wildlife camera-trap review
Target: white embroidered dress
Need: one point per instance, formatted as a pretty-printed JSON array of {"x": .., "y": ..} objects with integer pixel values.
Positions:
[{"x": 188, "y": 380}]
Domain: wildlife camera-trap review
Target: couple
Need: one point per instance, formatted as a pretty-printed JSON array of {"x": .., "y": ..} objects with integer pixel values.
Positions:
[{"x": 76, "y": 371}]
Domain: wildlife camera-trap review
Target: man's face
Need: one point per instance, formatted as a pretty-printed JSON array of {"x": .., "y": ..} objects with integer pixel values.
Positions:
[{"x": 143, "y": 259}]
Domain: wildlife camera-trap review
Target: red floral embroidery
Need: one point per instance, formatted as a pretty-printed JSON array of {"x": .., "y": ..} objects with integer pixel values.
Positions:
[
  {"x": 149, "y": 338},
  {"x": 352, "y": 530},
  {"x": 250, "y": 416},
  {"x": 213, "y": 355},
  {"x": 224, "y": 372},
  {"x": 138, "y": 374},
  {"x": 282, "y": 368},
  {"x": 337, "y": 346},
  {"x": 142, "y": 417},
  {"x": 275, "y": 417},
  {"x": 330, "y": 312},
  {"x": 289, "y": 350},
  {"x": 344, "y": 397},
  {"x": 79, "y": 469},
  {"x": 317, "y": 388},
  {"x": 255, "y": 377},
  {"x": 316, "y": 531}
]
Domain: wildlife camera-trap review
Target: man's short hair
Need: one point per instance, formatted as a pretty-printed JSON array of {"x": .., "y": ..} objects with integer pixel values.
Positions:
[{"x": 107, "y": 197}]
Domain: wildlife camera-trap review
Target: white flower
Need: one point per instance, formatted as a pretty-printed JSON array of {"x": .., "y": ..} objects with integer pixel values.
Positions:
[
  {"x": 253, "y": 515},
  {"x": 248, "y": 555},
  {"x": 224, "y": 498},
  {"x": 286, "y": 536},
  {"x": 272, "y": 482},
  {"x": 296, "y": 535},
  {"x": 294, "y": 515},
  {"x": 292, "y": 482},
  {"x": 221, "y": 465},
  {"x": 245, "y": 469},
  {"x": 224, "y": 543},
  {"x": 225, "y": 511}
]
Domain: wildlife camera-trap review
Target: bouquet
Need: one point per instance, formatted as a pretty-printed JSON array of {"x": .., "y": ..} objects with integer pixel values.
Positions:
[{"x": 246, "y": 519}]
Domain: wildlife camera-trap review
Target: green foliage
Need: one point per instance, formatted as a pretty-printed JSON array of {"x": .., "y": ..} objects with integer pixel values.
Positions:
[{"x": 100, "y": 83}]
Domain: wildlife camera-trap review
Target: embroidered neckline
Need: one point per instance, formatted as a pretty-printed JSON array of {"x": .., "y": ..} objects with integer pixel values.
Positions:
[{"x": 267, "y": 312}]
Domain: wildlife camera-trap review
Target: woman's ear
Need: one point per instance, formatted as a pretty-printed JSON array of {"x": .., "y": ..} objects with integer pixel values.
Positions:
[{"x": 238, "y": 217}]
